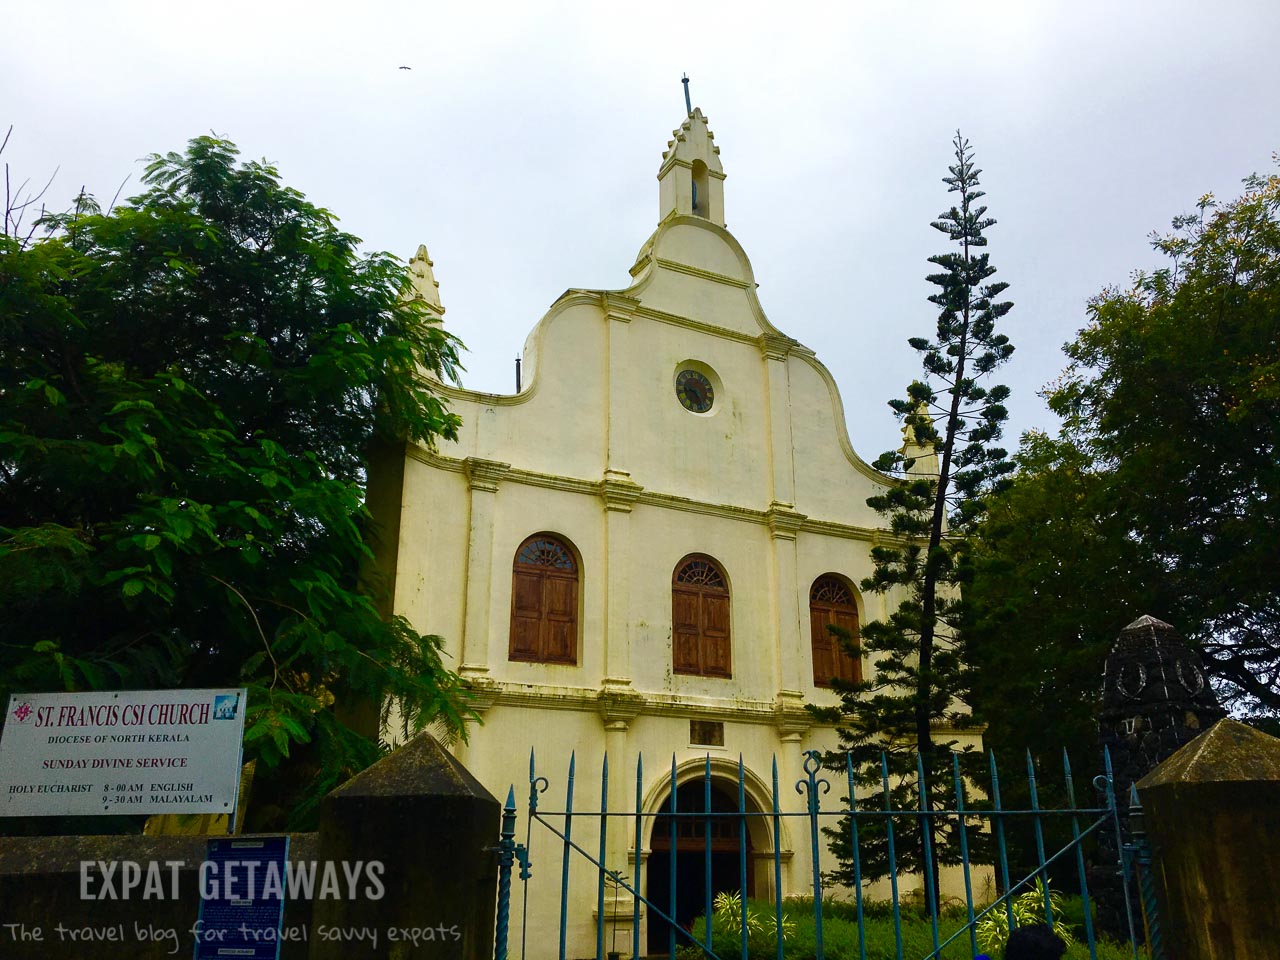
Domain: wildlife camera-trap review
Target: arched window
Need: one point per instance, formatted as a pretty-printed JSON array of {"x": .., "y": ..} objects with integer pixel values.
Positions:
[
  {"x": 700, "y": 618},
  {"x": 544, "y": 602},
  {"x": 831, "y": 602}
]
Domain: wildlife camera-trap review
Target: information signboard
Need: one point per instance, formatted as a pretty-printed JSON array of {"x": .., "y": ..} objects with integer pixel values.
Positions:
[
  {"x": 142, "y": 751},
  {"x": 242, "y": 900}
]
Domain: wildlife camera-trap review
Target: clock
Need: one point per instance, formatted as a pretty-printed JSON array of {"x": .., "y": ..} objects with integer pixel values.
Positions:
[{"x": 694, "y": 391}]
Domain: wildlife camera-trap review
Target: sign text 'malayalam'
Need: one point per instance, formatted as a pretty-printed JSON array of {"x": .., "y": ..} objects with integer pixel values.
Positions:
[{"x": 143, "y": 751}]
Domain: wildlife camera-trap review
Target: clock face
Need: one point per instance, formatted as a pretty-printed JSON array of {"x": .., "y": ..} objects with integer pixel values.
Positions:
[{"x": 694, "y": 391}]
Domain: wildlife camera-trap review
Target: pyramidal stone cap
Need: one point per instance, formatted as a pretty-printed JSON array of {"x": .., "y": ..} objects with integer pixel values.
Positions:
[
  {"x": 1227, "y": 752},
  {"x": 422, "y": 767}
]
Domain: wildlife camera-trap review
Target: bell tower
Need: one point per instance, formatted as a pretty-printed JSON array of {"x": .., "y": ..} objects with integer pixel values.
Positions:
[{"x": 691, "y": 180}]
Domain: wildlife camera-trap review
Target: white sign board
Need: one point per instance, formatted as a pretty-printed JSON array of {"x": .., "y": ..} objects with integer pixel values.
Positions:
[{"x": 140, "y": 751}]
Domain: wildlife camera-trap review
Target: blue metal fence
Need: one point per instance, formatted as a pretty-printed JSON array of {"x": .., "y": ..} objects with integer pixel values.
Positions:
[{"x": 972, "y": 815}]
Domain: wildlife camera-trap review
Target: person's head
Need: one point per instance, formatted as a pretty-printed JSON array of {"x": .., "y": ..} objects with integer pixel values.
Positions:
[{"x": 1036, "y": 942}]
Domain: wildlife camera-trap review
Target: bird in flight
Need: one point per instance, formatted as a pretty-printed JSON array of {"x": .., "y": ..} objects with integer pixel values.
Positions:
[{"x": 406, "y": 68}]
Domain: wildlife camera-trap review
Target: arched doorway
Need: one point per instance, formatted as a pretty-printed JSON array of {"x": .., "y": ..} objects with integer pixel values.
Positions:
[{"x": 690, "y": 855}]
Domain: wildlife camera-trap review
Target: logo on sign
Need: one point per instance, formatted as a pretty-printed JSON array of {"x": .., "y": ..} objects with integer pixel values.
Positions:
[
  {"x": 224, "y": 707},
  {"x": 22, "y": 712}
]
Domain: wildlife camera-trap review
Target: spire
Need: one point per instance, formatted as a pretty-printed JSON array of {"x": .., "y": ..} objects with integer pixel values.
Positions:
[
  {"x": 924, "y": 454},
  {"x": 423, "y": 284},
  {"x": 691, "y": 179}
]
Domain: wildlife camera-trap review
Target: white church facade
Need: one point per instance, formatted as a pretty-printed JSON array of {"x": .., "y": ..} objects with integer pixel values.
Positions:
[{"x": 640, "y": 551}]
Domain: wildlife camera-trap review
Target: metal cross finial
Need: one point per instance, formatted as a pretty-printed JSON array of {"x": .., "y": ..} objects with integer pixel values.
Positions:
[{"x": 688, "y": 105}]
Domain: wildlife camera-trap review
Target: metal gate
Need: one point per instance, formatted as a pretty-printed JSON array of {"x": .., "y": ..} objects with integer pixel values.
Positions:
[{"x": 974, "y": 823}]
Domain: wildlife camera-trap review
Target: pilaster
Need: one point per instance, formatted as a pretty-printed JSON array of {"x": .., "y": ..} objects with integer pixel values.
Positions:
[
  {"x": 793, "y": 721},
  {"x": 776, "y": 348},
  {"x": 483, "y": 694},
  {"x": 784, "y": 525},
  {"x": 483, "y": 477},
  {"x": 619, "y": 493},
  {"x": 618, "y": 708},
  {"x": 618, "y": 311}
]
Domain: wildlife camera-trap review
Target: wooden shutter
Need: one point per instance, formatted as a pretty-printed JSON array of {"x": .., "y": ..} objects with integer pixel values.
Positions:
[
  {"x": 831, "y": 601},
  {"x": 847, "y": 667},
  {"x": 526, "y": 614},
  {"x": 559, "y": 618},
  {"x": 715, "y": 635},
  {"x": 700, "y": 619},
  {"x": 823, "y": 662},
  {"x": 685, "y": 630},
  {"x": 544, "y": 603}
]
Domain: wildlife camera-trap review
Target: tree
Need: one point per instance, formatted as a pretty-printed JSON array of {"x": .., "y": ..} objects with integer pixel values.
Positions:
[
  {"x": 1162, "y": 487},
  {"x": 940, "y": 474},
  {"x": 190, "y": 387},
  {"x": 1052, "y": 579}
]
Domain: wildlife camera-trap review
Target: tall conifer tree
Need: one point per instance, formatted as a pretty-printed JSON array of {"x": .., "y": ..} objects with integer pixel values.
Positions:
[{"x": 945, "y": 466}]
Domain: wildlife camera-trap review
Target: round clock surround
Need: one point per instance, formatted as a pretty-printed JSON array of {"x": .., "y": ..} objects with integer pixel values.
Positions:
[{"x": 694, "y": 390}]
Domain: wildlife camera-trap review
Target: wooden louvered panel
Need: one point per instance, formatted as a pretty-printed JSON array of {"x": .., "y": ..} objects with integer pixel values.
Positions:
[
  {"x": 715, "y": 636},
  {"x": 559, "y": 618},
  {"x": 823, "y": 662},
  {"x": 557, "y": 646},
  {"x": 847, "y": 667},
  {"x": 561, "y": 598},
  {"x": 526, "y": 594},
  {"x": 685, "y": 631}
]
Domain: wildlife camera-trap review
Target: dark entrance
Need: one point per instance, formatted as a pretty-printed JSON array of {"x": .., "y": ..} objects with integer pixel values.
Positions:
[{"x": 691, "y": 857}]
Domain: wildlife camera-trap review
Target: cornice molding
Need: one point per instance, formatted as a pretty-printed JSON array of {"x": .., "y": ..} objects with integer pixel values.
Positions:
[
  {"x": 484, "y": 474},
  {"x": 482, "y": 692},
  {"x": 676, "y": 320},
  {"x": 618, "y": 306},
  {"x": 619, "y": 491},
  {"x": 789, "y": 715},
  {"x": 703, "y": 274},
  {"x": 776, "y": 346},
  {"x": 687, "y": 505},
  {"x": 629, "y": 706},
  {"x": 433, "y": 458},
  {"x": 618, "y": 708},
  {"x": 674, "y": 161},
  {"x": 623, "y": 494},
  {"x": 549, "y": 481},
  {"x": 784, "y": 521}
]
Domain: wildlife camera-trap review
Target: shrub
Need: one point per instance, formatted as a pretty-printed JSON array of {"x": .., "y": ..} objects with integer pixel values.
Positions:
[{"x": 840, "y": 930}]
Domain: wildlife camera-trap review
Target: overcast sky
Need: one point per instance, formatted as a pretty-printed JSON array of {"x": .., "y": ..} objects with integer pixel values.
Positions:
[{"x": 522, "y": 146}]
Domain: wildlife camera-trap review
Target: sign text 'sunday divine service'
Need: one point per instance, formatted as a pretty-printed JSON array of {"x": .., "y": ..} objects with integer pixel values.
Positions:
[{"x": 148, "y": 751}]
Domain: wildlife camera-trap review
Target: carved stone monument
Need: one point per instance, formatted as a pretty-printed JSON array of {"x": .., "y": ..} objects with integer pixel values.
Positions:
[{"x": 1155, "y": 699}]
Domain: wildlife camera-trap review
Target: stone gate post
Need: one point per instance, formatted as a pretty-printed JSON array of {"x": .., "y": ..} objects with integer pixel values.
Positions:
[{"x": 1212, "y": 814}]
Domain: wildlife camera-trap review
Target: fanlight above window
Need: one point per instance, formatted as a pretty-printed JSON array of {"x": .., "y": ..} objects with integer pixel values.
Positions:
[
  {"x": 545, "y": 552},
  {"x": 703, "y": 573}
]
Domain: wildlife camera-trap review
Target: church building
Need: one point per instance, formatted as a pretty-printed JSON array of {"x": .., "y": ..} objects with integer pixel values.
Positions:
[{"x": 640, "y": 552}]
